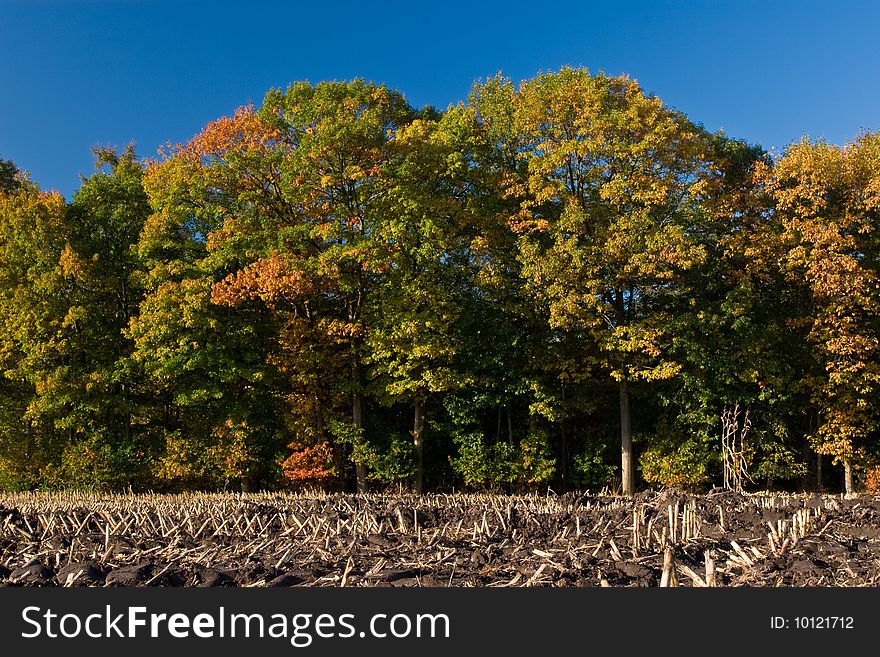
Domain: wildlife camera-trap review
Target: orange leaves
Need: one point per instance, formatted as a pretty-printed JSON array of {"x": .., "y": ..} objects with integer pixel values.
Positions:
[
  {"x": 271, "y": 280},
  {"x": 233, "y": 156},
  {"x": 243, "y": 131},
  {"x": 872, "y": 480},
  {"x": 309, "y": 464},
  {"x": 525, "y": 222}
]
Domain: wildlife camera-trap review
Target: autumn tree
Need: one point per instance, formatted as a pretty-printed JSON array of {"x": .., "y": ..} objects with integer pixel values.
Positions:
[
  {"x": 335, "y": 177},
  {"x": 212, "y": 402},
  {"x": 337, "y": 289},
  {"x": 421, "y": 243},
  {"x": 276, "y": 208},
  {"x": 739, "y": 350},
  {"x": 827, "y": 199},
  {"x": 314, "y": 268},
  {"x": 607, "y": 179}
]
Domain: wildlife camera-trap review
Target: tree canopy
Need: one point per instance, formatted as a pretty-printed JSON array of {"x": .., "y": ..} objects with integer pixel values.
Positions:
[{"x": 560, "y": 283}]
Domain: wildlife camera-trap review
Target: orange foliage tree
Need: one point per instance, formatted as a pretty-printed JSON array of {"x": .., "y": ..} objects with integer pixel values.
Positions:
[{"x": 828, "y": 200}]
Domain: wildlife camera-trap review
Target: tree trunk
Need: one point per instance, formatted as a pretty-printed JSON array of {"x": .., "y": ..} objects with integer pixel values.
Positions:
[
  {"x": 319, "y": 419},
  {"x": 847, "y": 476},
  {"x": 357, "y": 417},
  {"x": 627, "y": 474},
  {"x": 563, "y": 470},
  {"x": 819, "y": 485},
  {"x": 418, "y": 436}
]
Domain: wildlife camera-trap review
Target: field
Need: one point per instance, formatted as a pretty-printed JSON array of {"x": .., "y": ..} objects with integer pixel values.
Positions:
[{"x": 652, "y": 539}]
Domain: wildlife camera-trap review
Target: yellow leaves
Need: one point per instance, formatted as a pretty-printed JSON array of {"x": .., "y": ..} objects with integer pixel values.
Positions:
[
  {"x": 512, "y": 187},
  {"x": 588, "y": 134},
  {"x": 529, "y": 225},
  {"x": 645, "y": 252},
  {"x": 416, "y": 132},
  {"x": 272, "y": 280},
  {"x": 70, "y": 263},
  {"x": 547, "y": 192},
  {"x": 75, "y": 316},
  {"x": 339, "y": 330},
  {"x": 524, "y": 222},
  {"x": 632, "y": 339},
  {"x": 479, "y": 245},
  {"x": 822, "y": 195},
  {"x": 607, "y": 182}
]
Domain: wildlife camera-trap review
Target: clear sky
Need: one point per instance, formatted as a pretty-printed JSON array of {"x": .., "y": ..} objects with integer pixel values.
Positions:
[{"x": 77, "y": 74}]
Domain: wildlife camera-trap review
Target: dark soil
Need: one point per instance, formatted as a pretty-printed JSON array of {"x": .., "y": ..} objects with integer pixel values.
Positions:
[{"x": 276, "y": 540}]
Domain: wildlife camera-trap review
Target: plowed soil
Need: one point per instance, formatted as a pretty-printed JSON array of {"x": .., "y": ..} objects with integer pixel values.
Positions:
[{"x": 721, "y": 539}]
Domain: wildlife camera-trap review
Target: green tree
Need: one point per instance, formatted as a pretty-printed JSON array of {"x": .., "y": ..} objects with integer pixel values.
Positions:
[
  {"x": 10, "y": 177},
  {"x": 738, "y": 349},
  {"x": 34, "y": 335},
  {"x": 70, "y": 295},
  {"x": 97, "y": 394},
  {"x": 212, "y": 383},
  {"x": 422, "y": 242}
]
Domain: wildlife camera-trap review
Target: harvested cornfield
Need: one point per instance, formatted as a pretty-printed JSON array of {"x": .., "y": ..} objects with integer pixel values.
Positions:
[{"x": 257, "y": 540}]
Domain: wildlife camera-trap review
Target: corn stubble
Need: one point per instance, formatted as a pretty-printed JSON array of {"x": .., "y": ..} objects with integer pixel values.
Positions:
[{"x": 653, "y": 539}]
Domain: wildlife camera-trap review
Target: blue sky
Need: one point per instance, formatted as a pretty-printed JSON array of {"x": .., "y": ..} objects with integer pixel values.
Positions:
[{"x": 78, "y": 74}]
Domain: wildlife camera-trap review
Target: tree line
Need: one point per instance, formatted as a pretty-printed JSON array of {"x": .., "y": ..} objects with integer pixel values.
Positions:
[{"x": 563, "y": 283}]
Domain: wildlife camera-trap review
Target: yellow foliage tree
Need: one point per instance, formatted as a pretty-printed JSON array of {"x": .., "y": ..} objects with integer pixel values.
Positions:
[{"x": 828, "y": 201}]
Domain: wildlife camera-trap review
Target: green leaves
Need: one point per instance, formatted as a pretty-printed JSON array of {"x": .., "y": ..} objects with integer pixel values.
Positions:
[
  {"x": 336, "y": 289},
  {"x": 606, "y": 180}
]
